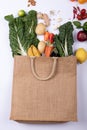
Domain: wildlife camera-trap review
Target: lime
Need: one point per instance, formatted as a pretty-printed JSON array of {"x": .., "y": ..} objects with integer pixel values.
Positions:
[
  {"x": 81, "y": 55},
  {"x": 21, "y": 13}
]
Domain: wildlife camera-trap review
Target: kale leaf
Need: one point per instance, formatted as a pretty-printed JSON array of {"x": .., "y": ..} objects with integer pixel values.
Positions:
[
  {"x": 22, "y": 32},
  {"x": 64, "y": 40}
]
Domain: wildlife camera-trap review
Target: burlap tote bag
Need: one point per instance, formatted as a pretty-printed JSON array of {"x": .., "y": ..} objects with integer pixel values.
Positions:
[{"x": 44, "y": 89}]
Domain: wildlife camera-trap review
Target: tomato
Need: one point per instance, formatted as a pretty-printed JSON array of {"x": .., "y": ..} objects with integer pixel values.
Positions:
[
  {"x": 79, "y": 17},
  {"x": 83, "y": 11},
  {"x": 84, "y": 16}
]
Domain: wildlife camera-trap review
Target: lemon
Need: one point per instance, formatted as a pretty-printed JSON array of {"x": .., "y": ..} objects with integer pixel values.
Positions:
[{"x": 81, "y": 55}]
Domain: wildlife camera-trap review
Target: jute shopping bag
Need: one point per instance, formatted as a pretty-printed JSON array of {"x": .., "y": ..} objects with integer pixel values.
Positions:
[{"x": 44, "y": 89}]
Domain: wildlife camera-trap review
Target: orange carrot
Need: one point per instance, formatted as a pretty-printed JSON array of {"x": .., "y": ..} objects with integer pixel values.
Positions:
[
  {"x": 46, "y": 36},
  {"x": 48, "y": 50}
]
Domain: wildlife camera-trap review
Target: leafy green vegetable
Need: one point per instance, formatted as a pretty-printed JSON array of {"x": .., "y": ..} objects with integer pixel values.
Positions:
[
  {"x": 22, "y": 32},
  {"x": 85, "y": 27},
  {"x": 58, "y": 46},
  {"x": 64, "y": 40},
  {"x": 9, "y": 18},
  {"x": 30, "y": 25},
  {"x": 77, "y": 24}
]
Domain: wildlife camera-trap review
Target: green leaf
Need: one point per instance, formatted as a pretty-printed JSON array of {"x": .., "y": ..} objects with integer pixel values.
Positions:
[
  {"x": 9, "y": 18},
  {"x": 77, "y": 24},
  {"x": 30, "y": 22},
  {"x": 16, "y": 42},
  {"x": 64, "y": 40},
  {"x": 58, "y": 46},
  {"x": 22, "y": 32},
  {"x": 85, "y": 27},
  {"x": 69, "y": 36}
]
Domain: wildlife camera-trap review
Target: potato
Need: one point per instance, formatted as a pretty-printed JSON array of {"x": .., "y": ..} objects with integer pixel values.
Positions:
[
  {"x": 40, "y": 29},
  {"x": 41, "y": 46}
]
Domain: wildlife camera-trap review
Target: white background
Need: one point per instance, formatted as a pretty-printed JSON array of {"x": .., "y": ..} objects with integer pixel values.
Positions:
[{"x": 6, "y": 67}]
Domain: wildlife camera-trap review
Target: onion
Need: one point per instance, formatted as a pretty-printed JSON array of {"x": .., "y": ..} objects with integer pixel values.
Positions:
[{"x": 81, "y": 36}]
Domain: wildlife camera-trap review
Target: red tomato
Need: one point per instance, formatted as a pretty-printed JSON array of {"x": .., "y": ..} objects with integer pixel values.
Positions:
[
  {"x": 79, "y": 17},
  {"x": 84, "y": 16},
  {"x": 83, "y": 11}
]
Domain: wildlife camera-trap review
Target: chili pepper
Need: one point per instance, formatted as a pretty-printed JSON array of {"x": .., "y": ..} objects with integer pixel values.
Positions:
[
  {"x": 48, "y": 50},
  {"x": 51, "y": 38},
  {"x": 78, "y": 8},
  {"x": 74, "y": 12},
  {"x": 78, "y": 13}
]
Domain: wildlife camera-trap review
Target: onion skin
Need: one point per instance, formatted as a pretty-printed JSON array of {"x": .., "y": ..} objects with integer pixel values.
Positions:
[{"x": 81, "y": 36}]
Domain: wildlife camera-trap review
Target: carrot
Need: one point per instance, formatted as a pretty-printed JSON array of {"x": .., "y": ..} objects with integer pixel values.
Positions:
[
  {"x": 46, "y": 36},
  {"x": 48, "y": 50}
]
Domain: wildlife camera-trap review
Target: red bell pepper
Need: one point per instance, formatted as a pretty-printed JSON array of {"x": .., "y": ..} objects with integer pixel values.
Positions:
[{"x": 51, "y": 38}]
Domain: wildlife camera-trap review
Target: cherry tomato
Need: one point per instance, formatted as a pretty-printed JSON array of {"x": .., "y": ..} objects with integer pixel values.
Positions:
[
  {"x": 83, "y": 11},
  {"x": 79, "y": 17},
  {"x": 84, "y": 16}
]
